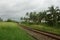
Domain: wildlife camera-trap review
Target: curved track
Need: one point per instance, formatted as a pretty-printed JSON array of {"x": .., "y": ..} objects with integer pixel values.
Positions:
[{"x": 40, "y": 35}]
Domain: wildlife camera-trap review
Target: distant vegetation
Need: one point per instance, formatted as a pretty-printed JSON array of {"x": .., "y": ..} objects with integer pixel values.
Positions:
[{"x": 10, "y": 20}]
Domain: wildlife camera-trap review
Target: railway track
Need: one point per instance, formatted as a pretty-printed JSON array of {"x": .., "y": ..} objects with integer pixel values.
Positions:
[{"x": 41, "y": 35}]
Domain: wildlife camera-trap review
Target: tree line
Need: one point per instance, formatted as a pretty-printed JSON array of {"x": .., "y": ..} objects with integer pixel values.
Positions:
[
  {"x": 8, "y": 20},
  {"x": 50, "y": 16}
]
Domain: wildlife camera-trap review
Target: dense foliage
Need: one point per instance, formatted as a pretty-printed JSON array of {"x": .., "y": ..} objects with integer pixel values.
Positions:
[{"x": 50, "y": 16}]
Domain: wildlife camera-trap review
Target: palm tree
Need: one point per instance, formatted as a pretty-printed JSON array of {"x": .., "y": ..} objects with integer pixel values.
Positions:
[
  {"x": 53, "y": 12},
  {"x": 39, "y": 16},
  {"x": 21, "y": 18}
]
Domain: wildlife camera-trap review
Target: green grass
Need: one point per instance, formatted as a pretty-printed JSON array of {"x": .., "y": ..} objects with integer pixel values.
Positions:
[
  {"x": 11, "y": 31},
  {"x": 44, "y": 27}
]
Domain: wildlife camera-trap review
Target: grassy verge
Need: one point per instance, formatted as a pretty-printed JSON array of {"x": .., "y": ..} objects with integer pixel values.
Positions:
[
  {"x": 44, "y": 27},
  {"x": 11, "y": 31}
]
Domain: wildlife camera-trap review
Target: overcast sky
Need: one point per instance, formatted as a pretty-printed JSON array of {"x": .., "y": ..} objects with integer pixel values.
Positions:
[{"x": 17, "y": 8}]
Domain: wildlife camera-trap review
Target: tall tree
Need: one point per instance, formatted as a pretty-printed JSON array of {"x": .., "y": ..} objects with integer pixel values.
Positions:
[{"x": 53, "y": 12}]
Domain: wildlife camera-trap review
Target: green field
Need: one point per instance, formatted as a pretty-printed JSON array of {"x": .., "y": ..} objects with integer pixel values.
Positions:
[
  {"x": 44, "y": 27},
  {"x": 11, "y": 31}
]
